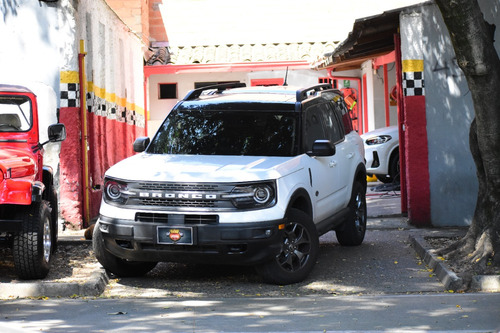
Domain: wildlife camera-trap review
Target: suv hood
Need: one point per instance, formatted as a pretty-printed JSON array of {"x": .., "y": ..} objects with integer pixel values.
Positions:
[{"x": 196, "y": 168}]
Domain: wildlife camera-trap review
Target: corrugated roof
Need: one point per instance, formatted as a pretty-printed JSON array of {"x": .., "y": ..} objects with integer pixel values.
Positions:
[
  {"x": 370, "y": 37},
  {"x": 231, "y": 53}
]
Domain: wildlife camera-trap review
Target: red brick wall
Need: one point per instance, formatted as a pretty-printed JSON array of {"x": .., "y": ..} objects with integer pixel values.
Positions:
[
  {"x": 109, "y": 141},
  {"x": 156, "y": 26},
  {"x": 417, "y": 161},
  {"x": 135, "y": 14}
]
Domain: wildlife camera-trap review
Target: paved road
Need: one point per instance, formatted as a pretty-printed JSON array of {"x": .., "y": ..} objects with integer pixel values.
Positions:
[
  {"x": 379, "y": 286},
  {"x": 384, "y": 264},
  {"x": 388, "y": 313}
]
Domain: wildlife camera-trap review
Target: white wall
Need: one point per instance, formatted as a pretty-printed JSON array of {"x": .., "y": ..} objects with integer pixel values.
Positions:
[
  {"x": 159, "y": 109},
  {"x": 114, "y": 60},
  {"x": 30, "y": 56},
  {"x": 29, "y": 37},
  {"x": 379, "y": 96},
  {"x": 449, "y": 112}
]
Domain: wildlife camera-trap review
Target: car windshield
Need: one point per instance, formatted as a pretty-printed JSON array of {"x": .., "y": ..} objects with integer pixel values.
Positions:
[
  {"x": 254, "y": 133},
  {"x": 15, "y": 113}
]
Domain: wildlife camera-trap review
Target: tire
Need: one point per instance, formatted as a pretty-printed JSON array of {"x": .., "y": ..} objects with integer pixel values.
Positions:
[
  {"x": 119, "y": 267},
  {"x": 393, "y": 176},
  {"x": 52, "y": 199},
  {"x": 298, "y": 254},
  {"x": 352, "y": 232},
  {"x": 33, "y": 247}
]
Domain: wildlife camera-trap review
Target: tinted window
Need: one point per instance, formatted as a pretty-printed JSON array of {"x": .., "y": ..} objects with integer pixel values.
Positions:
[
  {"x": 322, "y": 123},
  {"x": 343, "y": 111},
  {"x": 333, "y": 127},
  {"x": 227, "y": 133},
  {"x": 314, "y": 129}
]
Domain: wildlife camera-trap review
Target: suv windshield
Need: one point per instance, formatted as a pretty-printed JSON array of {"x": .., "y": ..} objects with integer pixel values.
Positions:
[
  {"x": 255, "y": 133},
  {"x": 15, "y": 113}
]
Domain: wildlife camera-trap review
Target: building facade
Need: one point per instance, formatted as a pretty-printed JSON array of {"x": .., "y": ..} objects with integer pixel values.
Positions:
[
  {"x": 434, "y": 106},
  {"x": 93, "y": 62}
]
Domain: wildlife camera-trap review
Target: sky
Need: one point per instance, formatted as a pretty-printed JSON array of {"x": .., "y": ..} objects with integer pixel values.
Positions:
[{"x": 214, "y": 22}]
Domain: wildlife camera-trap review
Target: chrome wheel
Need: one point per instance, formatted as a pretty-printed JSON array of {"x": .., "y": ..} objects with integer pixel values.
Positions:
[{"x": 47, "y": 240}]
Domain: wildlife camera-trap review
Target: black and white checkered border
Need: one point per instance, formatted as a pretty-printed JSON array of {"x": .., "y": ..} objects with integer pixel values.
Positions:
[
  {"x": 103, "y": 108},
  {"x": 413, "y": 84},
  {"x": 70, "y": 95}
]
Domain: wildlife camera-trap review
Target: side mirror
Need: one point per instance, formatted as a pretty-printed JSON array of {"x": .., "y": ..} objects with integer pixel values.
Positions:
[
  {"x": 57, "y": 132},
  {"x": 141, "y": 143},
  {"x": 322, "y": 148}
]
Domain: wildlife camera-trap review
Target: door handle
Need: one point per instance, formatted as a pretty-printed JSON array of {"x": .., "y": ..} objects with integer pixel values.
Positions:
[
  {"x": 332, "y": 164},
  {"x": 350, "y": 155}
]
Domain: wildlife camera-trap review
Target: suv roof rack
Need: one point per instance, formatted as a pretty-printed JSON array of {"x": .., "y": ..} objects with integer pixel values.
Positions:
[
  {"x": 304, "y": 93},
  {"x": 195, "y": 93}
]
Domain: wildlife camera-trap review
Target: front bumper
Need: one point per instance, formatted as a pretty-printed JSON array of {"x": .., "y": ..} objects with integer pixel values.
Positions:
[
  {"x": 376, "y": 161},
  {"x": 221, "y": 243}
]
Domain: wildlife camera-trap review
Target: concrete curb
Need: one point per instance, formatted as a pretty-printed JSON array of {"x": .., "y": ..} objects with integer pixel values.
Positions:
[
  {"x": 93, "y": 287},
  {"x": 485, "y": 283}
]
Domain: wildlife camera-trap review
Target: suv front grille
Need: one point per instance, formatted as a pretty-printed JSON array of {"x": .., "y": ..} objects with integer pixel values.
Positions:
[
  {"x": 164, "y": 195},
  {"x": 176, "y": 203},
  {"x": 177, "y": 187},
  {"x": 187, "y": 219}
]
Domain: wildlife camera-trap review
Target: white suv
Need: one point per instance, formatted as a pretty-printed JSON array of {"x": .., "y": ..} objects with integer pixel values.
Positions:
[{"x": 235, "y": 175}]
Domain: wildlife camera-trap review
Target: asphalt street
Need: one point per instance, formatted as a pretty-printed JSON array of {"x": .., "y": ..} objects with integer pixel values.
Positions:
[
  {"x": 386, "y": 313},
  {"x": 380, "y": 286}
]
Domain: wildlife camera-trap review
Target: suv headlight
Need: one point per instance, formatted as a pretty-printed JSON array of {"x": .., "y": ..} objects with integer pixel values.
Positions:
[
  {"x": 377, "y": 140},
  {"x": 115, "y": 192},
  {"x": 257, "y": 195}
]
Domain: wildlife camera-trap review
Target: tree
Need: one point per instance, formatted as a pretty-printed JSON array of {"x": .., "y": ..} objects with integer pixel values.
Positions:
[{"x": 473, "y": 41}]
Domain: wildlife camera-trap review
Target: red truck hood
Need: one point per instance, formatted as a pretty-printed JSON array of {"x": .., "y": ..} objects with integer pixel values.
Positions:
[{"x": 17, "y": 163}]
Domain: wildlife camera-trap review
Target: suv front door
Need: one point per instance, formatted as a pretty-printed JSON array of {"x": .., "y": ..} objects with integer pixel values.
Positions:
[{"x": 328, "y": 182}]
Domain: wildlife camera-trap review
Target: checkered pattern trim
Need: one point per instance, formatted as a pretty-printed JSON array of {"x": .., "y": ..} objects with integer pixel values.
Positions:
[
  {"x": 103, "y": 108},
  {"x": 413, "y": 84},
  {"x": 70, "y": 95}
]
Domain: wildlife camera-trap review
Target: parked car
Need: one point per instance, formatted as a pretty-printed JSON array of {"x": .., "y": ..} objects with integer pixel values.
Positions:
[
  {"x": 237, "y": 175},
  {"x": 382, "y": 153},
  {"x": 28, "y": 197}
]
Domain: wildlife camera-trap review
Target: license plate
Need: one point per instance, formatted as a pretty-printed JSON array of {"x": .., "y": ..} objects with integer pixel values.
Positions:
[{"x": 175, "y": 235}]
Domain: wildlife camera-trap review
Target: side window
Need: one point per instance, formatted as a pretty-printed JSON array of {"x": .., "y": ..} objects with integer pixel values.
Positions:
[
  {"x": 343, "y": 111},
  {"x": 333, "y": 127},
  {"x": 313, "y": 127}
]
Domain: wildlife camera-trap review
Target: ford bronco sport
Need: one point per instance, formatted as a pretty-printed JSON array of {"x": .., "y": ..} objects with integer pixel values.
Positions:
[
  {"x": 28, "y": 199},
  {"x": 236, "y": 175}
]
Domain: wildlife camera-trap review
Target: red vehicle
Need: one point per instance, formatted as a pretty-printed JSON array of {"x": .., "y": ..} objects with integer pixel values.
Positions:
[{"x": 28, "y": 199}]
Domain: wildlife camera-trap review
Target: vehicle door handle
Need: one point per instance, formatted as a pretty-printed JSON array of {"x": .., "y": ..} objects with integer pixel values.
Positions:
[
  {"x": 332, "y": 164},
  {"x": 350, "y": 155}
]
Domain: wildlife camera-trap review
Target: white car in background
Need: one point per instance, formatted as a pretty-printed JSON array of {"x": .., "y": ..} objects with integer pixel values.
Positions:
[{"x": 382, "y": 153}]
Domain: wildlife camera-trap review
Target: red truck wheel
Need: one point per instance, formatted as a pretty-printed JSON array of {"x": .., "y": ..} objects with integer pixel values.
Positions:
[{"x": 32, "y": 247}]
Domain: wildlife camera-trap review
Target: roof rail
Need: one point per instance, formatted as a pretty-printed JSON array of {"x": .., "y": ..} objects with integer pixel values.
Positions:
[
  {"x": 195, "y": 93},
  {"x": 304, "y": 93}
]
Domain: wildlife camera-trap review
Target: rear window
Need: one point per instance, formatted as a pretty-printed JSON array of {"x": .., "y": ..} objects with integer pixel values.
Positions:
[{"x": 252, "y": 133}]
